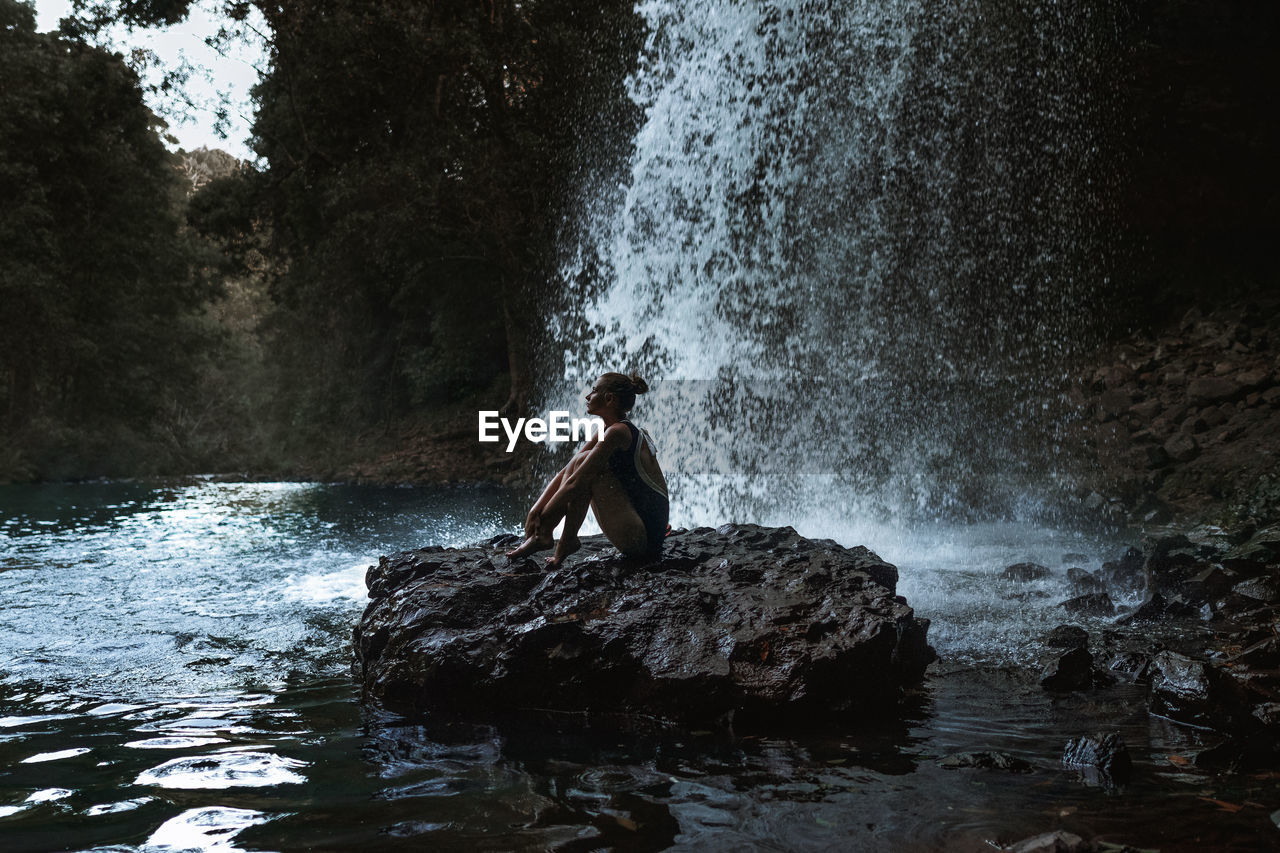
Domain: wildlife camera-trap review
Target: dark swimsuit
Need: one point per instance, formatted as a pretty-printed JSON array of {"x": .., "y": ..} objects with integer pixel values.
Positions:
[{"x": 648, "y": 498}]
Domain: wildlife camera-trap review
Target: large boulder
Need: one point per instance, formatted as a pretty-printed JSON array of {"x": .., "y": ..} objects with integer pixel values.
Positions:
[{"x": 746, "y": 620}]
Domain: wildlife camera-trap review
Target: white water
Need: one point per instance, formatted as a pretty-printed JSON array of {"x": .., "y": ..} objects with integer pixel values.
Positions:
[{"x": 853, "y": 250}]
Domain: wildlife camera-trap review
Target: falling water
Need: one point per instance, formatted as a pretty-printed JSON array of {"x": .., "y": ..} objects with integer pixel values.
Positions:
[{"x": 855, "y": 246}]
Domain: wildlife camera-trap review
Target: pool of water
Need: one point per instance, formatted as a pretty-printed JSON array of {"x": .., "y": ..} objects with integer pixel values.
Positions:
[{"x": 175, "y": 676}]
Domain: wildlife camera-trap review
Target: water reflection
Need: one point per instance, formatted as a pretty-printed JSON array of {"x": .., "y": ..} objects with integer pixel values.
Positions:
[
  {"x": 211, "y": 828},
  {"x": 225, "y": 769}
]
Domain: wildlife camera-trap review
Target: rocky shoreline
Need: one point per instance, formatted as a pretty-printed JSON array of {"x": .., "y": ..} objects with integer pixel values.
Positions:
[{"x": 1219, "y": 592}]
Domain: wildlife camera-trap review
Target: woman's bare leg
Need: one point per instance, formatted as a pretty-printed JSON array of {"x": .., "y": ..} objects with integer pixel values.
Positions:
[
  {"x": 575, "y": 513},
  {"x": 539, "y": 534},
  {"x": 614, "y": 513}
]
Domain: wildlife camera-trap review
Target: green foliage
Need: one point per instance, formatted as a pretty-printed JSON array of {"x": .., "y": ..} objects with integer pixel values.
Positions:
[
  {"x": 97, "y": 276},
  {"x": 416, "y": 161},
  {"x": 393, "y": 252}
]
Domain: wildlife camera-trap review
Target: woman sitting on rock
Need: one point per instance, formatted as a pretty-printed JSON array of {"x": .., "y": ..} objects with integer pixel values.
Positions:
[{"x": 616, "y": 474}]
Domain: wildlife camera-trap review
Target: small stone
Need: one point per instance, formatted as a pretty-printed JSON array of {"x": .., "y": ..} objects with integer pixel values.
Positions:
[
  {"x": 1147, "y": 410},
  {"x": 1083, "y": 581},
  {"x": 1067, "y": 637},
  {"x": 1125, "y": 572},
  {"x": 1255, "y": 379},
  {"x": 1073, "y": 670},
  {"x": 1025, "y": 572},
  {"x": 1133, "y": 666},
  {"x": 1103, "y": 759},
  {"x": 986, "y": 761},
  {"x": 1157, "y": 456},
  {"x": 1090, "y": 604},
  {"x": 1214, "y": 416},
  {"x": 1262, "y": 588},
  {"x": 1060, "y": 841},
  {"x": 1114, "y": 402},
  {"x": 1148, "y": 611},
  {"x": 1213, "y": 389},
  {"x": 1181, "y": 447}
]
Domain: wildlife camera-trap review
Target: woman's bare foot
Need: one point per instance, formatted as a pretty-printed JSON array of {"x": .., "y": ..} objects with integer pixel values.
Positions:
[
  {"x": 564, "y": 548},
  {"x": 530, "y": 545}
]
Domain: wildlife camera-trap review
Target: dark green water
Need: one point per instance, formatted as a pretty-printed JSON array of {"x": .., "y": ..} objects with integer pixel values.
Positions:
[{"x": 175, "y": 677}]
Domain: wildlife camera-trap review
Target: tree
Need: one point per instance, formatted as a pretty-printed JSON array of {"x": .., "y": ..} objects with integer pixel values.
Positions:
[{"x": 97, "y": 277}]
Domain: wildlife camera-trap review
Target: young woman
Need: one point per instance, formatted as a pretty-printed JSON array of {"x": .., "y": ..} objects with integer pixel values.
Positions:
[{"x": 616, "y": 475}]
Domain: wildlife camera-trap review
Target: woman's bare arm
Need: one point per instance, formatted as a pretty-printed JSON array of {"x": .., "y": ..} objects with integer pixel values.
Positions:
[
  {"x": 596, "y": 461},
  {"x": 558, "y": 480}
]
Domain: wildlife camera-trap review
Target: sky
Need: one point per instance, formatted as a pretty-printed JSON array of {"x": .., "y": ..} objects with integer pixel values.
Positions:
[{"x": 233, "y": 74}]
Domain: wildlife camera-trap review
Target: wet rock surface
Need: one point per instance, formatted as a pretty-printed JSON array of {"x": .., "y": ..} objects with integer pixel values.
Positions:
[
  {"x": 986, "y": 761},
  {"x": 742, "y": 620},
  {"x": 1210, "y": 594},
  {"x": 1025, "y": 572},
  {"x": 1101, "y": 759}
]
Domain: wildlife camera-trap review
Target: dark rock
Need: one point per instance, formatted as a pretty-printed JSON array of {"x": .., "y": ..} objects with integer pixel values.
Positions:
[
  {"x": 1025, "y": 572},
  {"x": 1234, "y": 606},
  {"x": 1157, "y": 456},
  {"x": 1101, "y": 759},
  {"x": 1083, "y": 582},
  {"x": 1253, "y": 380},
  {"x": 1132, "y": 666},
  {"x": 1213, "y": 389},
  {"x": 1146, "y": 410},
  {"x": 1152, "y": 510},
  {"x": 1114, "y": 402},
  {"x": 1158, "y": 607},
  {"x": 1193, "y": 425},
  {"x": 1059, "y": 841},
  {"x": 1261, "y": 589},
  {"x": 1072, "y": 670},
  {"x": 1256, "y": 553},
  {"x": 1268, "y": 713},
  {"x": 1067, "y": 637},
  {"x": 1181, "y": 447},
  {"x": 1210, "y": 583},
  {"x": 1171, "y": 561},
  {"x": 1127, "y": 572},
  {"x": 1251, "y": 751},
  {"x": 1091, "y": 604},
  {"x": 815, "y": 630},
  {"x": 986, "y": 761},
  {"x": 1192, "y": 691},
  {"x": 1072, "y": 558},
  {"x": 1262, "y": 654}
]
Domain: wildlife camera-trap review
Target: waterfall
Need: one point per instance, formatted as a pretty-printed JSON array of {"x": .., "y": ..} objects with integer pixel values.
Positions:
[{"x": 855, "y": 248}]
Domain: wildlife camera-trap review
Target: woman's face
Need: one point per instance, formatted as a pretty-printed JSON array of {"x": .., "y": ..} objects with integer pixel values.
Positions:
[{"x": 597, "y": 400}]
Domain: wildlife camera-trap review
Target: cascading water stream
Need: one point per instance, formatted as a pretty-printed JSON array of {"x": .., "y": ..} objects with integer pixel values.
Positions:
[{"x": 854, "y": 248}]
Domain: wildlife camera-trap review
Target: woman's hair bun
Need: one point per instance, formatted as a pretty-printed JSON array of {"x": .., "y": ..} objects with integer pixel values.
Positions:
[{"x": 638, "y": 385}]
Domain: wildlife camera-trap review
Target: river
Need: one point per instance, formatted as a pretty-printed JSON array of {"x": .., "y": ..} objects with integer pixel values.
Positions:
[{"x": 176, "y": 677}]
